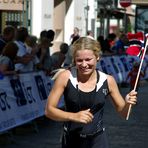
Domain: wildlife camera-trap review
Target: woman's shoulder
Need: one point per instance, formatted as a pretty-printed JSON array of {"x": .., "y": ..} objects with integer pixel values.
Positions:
[
  {"x": 62, "y": 74},
  {"x": 111, "y": 82},
  {"x": 108, "y": 77}
]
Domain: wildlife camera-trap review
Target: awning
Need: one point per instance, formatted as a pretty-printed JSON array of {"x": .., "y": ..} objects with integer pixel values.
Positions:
[
  {"x": 119, "y": 13},
  {"x": 114, "y": 13}
]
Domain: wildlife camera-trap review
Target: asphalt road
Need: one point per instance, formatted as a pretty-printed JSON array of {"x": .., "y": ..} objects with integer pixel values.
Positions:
[
  {"x": 44, "y": 133},
  {"x": 132, "y": 133}
]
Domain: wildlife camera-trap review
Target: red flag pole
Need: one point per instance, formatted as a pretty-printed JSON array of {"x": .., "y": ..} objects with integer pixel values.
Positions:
[{"x": 137, "y": 78}]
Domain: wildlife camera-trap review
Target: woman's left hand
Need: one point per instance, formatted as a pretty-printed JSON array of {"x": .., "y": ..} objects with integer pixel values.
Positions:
[{"x": 131, "y": 98}]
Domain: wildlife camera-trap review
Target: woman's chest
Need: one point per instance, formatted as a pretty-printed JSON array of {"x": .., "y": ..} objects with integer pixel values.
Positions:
[{"x": 76, "y": 98}]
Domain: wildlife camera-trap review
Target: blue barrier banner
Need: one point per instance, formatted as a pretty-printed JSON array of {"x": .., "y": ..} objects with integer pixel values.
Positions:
[
  {"x": 23, "y": 98},
  {"x": 119, "y": 66}
]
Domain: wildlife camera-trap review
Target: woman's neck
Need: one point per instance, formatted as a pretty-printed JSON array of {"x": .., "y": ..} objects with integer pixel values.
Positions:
[{"x": 86, "y": 78}]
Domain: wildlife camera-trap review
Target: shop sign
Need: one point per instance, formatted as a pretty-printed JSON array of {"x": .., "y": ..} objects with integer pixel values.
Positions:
[{"x": 11, "y": 5}]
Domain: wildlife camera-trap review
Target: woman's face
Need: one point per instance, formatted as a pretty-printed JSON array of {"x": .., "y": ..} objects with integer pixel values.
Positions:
[{"x": 85, "y": 61}]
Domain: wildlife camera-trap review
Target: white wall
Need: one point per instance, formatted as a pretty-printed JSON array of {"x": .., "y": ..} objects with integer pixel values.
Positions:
[
  {"x": 79, "y": 16},
  {"x": 42, "y": 15},
  {"x": 69, "y": 23},
  {"x": 74, "y": 18},
  {"x": 91, "y": 12}
]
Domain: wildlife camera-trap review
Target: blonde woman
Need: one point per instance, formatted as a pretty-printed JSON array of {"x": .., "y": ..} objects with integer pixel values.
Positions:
[{"x": 85, "y": 90}]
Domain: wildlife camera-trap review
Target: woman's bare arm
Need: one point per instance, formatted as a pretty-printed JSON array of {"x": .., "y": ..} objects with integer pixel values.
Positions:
[{"x": 121, "y": 104}]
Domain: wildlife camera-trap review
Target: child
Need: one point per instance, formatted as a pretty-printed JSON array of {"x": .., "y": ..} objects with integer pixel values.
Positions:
[{"x": 132, "y": 75}]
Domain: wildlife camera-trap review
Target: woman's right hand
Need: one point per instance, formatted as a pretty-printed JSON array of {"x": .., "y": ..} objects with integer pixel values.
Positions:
[{"x": 84, "y": 116}]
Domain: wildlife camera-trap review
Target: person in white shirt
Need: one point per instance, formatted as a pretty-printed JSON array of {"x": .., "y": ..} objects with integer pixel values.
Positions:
[{"x": 23, "y": 57}]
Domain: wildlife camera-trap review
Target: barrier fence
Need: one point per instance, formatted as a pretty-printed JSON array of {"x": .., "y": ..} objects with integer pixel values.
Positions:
[
  {"x": 119, "y": 66},
  {"x": 23, "y": 98}
]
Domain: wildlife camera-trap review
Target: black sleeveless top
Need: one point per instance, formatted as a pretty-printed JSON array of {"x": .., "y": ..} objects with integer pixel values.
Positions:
[{"x": 76, "y": 100}]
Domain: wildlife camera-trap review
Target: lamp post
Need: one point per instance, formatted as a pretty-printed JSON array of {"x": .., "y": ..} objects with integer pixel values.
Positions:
[
  {"x": 25, "y": 12},
  {"x": 125, "y": 22},
  {"x": 104, "y": 6},
  {"x": 125, "y": 3},
  {"x": 86, "y": 17}
]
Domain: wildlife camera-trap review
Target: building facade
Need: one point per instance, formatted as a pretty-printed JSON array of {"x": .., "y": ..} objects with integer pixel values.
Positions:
[
  {"x": 62, "y": 16},
  {"x": 11, "y": 13}
]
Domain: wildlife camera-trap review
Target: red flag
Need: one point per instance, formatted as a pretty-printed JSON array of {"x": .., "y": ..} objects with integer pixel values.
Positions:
[{"x": 136, "y": 44}]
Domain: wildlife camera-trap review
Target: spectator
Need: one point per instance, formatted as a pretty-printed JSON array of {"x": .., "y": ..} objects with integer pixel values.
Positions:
[
  {"x": 75, "y": 35},
  {"x": 109, "y": 42},
  {"x": 31, "y": 44},
  {"x": 112, "y": 39},
  {"x": 121, "y": 44},
  {"x": 7, "y": 59},
  {"x": 59, "y": 56},
  {"x": 7, "y": 36},
  {"x": 50, "y": 36},
  {"x": 100, "y": 39},
  {"x": 68, "y": 59},
  {"x": 43, "y": 34},
  {"x": 23, "y": 56},
  {"x": 46, "y": 38},
  {"x": 47, "y": 34},
  {"x": 90, "y": 34}
]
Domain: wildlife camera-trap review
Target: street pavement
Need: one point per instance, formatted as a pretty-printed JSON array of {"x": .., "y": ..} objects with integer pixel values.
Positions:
[
  {"x": 131, "y": 133},
  {"x": 44, "y": 133}
]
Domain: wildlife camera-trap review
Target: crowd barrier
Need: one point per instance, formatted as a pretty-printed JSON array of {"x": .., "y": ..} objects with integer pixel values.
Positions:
[
  {"x": 119, "y": 66},
  {"x": 23, "y": 98}
]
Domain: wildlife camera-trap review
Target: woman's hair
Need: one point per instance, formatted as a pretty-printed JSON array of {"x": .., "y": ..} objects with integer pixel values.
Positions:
[
  {"x": 10, "y": 50},
  {"x": 86, "y": 43}
]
